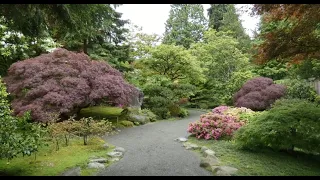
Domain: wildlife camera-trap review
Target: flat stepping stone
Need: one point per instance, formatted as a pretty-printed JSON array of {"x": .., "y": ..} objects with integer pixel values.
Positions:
[
  {"x": 119, "y": 149},
  {"x": 76, "y": 171},
  {"x": 224, "y": 171},
  {"x": 114, "y": 159},
  {"x": 208, "y": 152},
  {"x": 96, "y": 165},
  {"x": 190, "y": 146},
  {"x": 99, "y": 160},
  {"x": 115, "y": 154},
  {"x": 181, "y": 139}
]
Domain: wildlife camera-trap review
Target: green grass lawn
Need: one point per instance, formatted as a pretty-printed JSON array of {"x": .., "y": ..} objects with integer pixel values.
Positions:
[
  {"x": 266, "y": 163},
  {"x": 50, "y": 162}
]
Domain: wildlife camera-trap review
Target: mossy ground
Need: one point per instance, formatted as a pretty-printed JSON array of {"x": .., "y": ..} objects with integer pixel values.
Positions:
[
  {"x": 99, "y": 112},
  {"x": 264, "y": 163},
  {"x": 50, "y": 162}
]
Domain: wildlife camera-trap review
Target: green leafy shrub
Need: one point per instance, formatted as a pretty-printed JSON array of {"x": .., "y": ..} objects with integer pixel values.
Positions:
[
  {"x": 183, "y": 112},
  {"x": 158, "y": 99},
  {"x": 298, "y": 88},
  {"x": 129, "y": 112},
  {"x": 162, "y": 112},
  {"x": 273, "y": 69},
  {"x": 310, "y": 68},
  {"x": 60, "y": 130},
  {"x": 289, "y": 124},
  {"x": 174, "y": 109},
  {"x": 127, "y": 123},
  {"x": 247, "y": 117},
  {"x": 215, "y": 93},
  {"x": 86, "y": 127},
  {"x": 17, "y": 134},
  {"x": 165, "y": 100},
  {"x": 152, "y": 117}
]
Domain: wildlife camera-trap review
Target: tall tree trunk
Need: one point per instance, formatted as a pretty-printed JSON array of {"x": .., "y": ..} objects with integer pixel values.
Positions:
[
  {"x": 85, "y": 46},
  {"x": 85, "y": 140},
  {"x": 66, "y": 139},
  {"x": 57, "y": 145}
]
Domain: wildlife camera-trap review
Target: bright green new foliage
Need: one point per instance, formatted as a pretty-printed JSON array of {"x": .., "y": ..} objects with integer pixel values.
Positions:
[
  {"x": 273, "y": 69},
  {"x": 226, "y": 68},
  {"x": 174, "y": 62},
  {"x": 86, "y": 127}
]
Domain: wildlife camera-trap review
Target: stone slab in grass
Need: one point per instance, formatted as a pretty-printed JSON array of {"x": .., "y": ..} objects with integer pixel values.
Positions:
[
  {"x": 76, "y": 171},
  {"x": 99, "y": 160},
  {"x": 224, "y": 171},
  {"x": 119, "y": 149},
  {"x": 208, "y": 152},
  {"x": 115, "y": 154},
  {"x": 190, "y": 146},
  {"x": 96, "y": 165},
  {"x": 181, "y": 139},
  {"x": 209, "y": 161}
]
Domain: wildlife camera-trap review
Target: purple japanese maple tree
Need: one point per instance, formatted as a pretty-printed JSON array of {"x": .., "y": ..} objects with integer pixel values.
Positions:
[
  {"x": 258, "y": 93},
  {"x": 63, "y": 82}
]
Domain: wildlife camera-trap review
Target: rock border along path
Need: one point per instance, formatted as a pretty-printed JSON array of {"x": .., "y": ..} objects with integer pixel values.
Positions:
[{"x": 152, "y": 150}]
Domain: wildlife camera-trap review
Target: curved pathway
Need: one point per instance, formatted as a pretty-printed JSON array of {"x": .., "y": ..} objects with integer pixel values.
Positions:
[{"x": 152, "y": 151}]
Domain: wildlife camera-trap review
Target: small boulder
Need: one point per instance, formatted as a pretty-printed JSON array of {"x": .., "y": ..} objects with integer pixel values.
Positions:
[
  {"x": 209, "y": 161},
  {"x": 141, "y": 119},
  {"x": 119, "y": 149},
  {"x": 208, "y": 152},
  {"x": 204, "y": 148},
  {"x": 136, "y": 123},
  {"x": 224, "y": 171},
  {"x": 96, "y": 165},
  {"x": 106, "y": 146},
  {"x": 181, "y": 139},
  {"x": 99, "y": 160},
  {"x": 115, "y": 154},
  {"x": 76, "y": 171}
]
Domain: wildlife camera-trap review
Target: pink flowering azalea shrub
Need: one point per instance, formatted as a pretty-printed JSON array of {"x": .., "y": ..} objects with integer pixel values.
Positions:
[
  {"x": 220, "y": 109},
  {"x": 215, "y": 126},
  {"x": 234, "y": 111},
  {"x": 223, "y": 121}
]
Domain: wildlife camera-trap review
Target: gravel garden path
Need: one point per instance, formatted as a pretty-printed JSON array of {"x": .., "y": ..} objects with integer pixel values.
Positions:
[{"x": 151, "y": 150}]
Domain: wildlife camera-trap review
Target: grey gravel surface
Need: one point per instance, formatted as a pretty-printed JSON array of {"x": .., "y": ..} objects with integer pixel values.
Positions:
[{"x": 151, "y": 150}]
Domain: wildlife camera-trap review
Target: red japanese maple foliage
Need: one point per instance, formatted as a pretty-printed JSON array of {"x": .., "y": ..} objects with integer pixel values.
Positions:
[
  {"x": 292, "y": 33},
  {"x": 64, "y": 82},
  {"x": 258, "y": 93}
]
